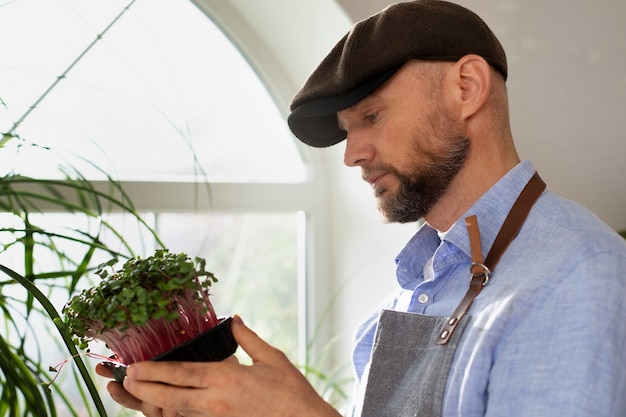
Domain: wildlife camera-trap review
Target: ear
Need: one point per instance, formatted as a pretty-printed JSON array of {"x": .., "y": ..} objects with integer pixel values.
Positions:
[{"x": 470, "y": 81}]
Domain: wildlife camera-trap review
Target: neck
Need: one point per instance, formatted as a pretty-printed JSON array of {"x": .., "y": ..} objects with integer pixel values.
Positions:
[{"x": 482, "y": 170}]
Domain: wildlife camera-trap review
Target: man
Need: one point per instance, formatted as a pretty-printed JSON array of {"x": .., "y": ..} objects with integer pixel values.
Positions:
[{"x": 510, "y": 301}]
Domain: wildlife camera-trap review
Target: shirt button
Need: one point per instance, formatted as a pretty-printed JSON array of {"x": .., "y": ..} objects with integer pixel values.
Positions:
[{"x": 423, "y": 298}]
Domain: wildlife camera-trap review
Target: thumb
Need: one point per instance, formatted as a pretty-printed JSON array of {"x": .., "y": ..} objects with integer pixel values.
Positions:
[{"x": 253, "y": 345}]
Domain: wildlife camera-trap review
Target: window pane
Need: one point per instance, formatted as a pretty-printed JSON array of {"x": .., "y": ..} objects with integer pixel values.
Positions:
[
  {"x": 163, "y": 94},
  {"x": 254, "y": 256}
]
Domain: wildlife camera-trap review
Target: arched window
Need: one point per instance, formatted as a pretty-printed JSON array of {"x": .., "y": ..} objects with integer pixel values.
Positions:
[{"x": 154, "y": 95}]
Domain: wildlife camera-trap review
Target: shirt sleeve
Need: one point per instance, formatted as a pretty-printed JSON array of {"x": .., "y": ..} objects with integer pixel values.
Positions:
[{"x": 567, "y": 355}]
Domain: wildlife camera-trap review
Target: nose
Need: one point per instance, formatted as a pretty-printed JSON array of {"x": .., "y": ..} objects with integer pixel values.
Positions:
[{"x": 358, "y": 151}]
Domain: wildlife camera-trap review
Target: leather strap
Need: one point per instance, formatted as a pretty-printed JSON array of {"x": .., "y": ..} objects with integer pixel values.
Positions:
[{"x": 481, "y": 271}]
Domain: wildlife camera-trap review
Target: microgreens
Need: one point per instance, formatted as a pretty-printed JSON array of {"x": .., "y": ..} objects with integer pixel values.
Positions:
[{"x": 148, "y": 307}]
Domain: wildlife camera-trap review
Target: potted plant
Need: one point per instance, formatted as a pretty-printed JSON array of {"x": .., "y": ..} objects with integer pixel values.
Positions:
[{"x": 157, "y": 308}]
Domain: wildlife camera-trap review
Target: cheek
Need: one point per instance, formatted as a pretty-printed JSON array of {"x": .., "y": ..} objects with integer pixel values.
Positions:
[
  {"x": 406, "y": 141},
  {"x": 398, "y": 138},
  {"x": 409, "y": 149}
]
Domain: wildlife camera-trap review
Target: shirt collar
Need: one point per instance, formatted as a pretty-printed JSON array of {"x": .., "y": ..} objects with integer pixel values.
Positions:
[{"x": 490, "y": 210}]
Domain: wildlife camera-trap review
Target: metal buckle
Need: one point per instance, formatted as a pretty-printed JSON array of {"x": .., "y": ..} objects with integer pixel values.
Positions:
[{"x": 486, "y": 274}]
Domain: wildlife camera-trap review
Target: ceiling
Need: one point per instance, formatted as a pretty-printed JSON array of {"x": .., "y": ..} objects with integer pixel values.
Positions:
[{"x": 567, "y": 77}]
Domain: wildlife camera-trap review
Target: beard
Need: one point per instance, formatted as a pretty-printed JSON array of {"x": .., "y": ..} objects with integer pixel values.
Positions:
[{"x": 428, "y": 180}]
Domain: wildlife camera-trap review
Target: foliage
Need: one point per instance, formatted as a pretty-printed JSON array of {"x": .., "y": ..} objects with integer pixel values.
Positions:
[
  {"x": 148, "y": 307},
  {"x": 71, "y": 251},
  {"x": 18, "y": 369}
]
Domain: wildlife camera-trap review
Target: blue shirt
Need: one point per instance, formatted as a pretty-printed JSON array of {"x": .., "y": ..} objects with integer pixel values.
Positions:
[{"x": 547, "y": 335}]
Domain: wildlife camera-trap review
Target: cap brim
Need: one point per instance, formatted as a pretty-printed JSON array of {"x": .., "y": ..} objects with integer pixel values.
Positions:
[{"x": 315, "y": 122}]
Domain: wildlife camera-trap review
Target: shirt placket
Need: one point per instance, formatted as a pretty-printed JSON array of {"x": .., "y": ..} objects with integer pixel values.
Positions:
[{"x": 424, "y": 298}]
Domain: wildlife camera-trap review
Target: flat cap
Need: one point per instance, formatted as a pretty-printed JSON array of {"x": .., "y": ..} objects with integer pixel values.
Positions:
[{"x": 374, "y": 49}]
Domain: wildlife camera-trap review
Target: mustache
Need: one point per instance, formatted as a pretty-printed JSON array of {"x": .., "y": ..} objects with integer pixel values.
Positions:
[{"x": 373, "y": 171}]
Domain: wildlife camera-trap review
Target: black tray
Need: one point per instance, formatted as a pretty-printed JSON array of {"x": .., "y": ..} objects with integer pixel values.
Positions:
[{"x": 214, "y": 345}]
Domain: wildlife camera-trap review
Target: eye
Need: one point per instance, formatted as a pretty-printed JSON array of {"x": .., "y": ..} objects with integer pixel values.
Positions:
[{"x": 371, "y": 117}]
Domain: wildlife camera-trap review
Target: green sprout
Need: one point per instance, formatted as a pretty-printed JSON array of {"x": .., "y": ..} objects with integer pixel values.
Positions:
[{"x": 148, "y": 307}]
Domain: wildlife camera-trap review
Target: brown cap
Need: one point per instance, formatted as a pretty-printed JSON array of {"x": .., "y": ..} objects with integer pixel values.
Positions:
[{"x": 374, "y": 49}]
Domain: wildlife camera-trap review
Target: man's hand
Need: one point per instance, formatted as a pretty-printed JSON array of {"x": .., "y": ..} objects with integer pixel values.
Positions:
[{"x": 271, "y": 386}]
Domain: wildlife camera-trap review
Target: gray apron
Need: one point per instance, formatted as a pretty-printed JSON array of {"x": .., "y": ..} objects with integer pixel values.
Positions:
[
  {"x": 408, "y": 371},
  {"x": 412, "y": 353}
]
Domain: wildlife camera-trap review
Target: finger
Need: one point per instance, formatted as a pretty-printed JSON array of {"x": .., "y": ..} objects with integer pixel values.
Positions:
[
  {"x": 253, "y": 345},
  {"x": 172, "y": 413},
  {"x": 150, "y": 410},
  {"x": 231, "y": 359},
  {"x": 127, "y": 400},
  {"x": 123, "y": 397},
  {"x": 181, "y": 374},
  {"x": 104, "y": 370},
  {"x": 162, "y": 396}
]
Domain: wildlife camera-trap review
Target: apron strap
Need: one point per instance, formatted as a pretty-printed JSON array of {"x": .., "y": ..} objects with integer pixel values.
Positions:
[{"x": 481, "y": 271}]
